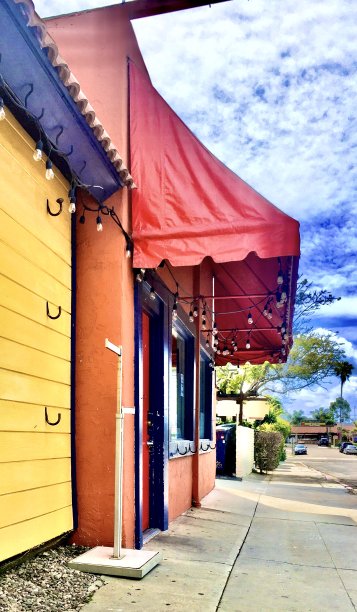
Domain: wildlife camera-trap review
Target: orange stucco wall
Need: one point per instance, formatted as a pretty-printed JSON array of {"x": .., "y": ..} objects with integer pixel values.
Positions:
[
  {"x": 104, "y": 291},
  {"x": 180, "y": 486}
]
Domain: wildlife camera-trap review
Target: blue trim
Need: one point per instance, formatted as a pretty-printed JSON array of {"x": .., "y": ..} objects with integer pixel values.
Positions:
[
  {"x": 158, "y": 313},
  {"x": 205, "y": 393},
  {"x": 138, "y": 394},
  {"x": 73, "y": 372},
  {"x": 189, "y": 377},
  {"x": 23, "y": 62}
]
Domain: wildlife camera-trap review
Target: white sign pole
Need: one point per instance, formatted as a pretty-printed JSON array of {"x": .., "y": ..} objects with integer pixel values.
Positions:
[{"x": 119, "y": 455}]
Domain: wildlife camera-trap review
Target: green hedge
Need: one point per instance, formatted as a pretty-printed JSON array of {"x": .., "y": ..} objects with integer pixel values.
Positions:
[{"x": 267, "y": 450}]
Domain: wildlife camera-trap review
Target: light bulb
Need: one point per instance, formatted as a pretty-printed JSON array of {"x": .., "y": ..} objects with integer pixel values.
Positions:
[
  {"x": 128, "y": 251},
  {"x": 2, "y": 110},
  {"x": 284, "y": 296},
  {"x": 204, "y": 326},
  {"x": 280, "y": 278},
  {"x": 214, "y": 330},
  {"x": 215, "y": 342},
  {"x": 270, "y": 314},
  {"x": 37, "y": 155},
  {"x": 49, "y": 172},
  {"x": 265, "y": 311},
  {"x": 99, "y": 224},
  {"x": 207, "y": 343},
  {"x": 190, "y": 316},
  {"x": 247, "y": 344},
  {"x": 72, "y": 206},
  {"x": 215, "y": 349},
  {"x": 152, "y": 294},
  {"x": 174, "y": 312},
  {"x": 250, "y": 319},
  {"x": 195, "y": 311},
  {"x": 218, "y": 351},
  {"x": 139, "y": 277}
]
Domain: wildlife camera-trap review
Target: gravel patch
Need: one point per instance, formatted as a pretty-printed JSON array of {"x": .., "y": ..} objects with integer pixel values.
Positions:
[{"x": 45, "y": 583}]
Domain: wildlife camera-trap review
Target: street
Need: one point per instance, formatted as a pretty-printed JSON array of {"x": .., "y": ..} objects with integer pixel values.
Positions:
[{"x": 329, "y": 461}]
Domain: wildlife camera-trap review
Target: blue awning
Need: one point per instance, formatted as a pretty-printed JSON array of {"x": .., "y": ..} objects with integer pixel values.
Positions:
[{"x": 28, "y": 71}]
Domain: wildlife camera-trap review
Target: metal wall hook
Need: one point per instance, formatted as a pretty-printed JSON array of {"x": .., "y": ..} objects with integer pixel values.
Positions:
[
  {"x": 60, "y": 131},
  {"x": 55, "y": 214},
  {"x": 50, "y": 422},
  {"x": 83, "y": 167},
  {"x": 48, "y": 312},
  {"x": 178, "y": 450},
  {"x": 30, "y": 85}
]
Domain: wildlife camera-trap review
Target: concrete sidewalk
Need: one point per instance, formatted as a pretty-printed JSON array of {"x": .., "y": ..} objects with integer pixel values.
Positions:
[{"x": 287, "y": 541}]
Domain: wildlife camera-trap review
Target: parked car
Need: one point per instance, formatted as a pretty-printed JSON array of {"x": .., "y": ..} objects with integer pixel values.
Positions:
[
  {"x": 350, "y": 449},
  {"x": 343, "y": 446},
  {"x": 300, "y": 449},
  {"x": 323, "y": 442}
]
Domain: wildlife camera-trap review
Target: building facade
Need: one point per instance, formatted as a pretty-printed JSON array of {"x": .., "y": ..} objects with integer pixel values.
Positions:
[{"x": 134, "y": 264}]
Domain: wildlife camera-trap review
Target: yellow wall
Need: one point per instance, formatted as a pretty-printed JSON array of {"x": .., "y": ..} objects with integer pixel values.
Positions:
[{"x": 35, "y": 256}]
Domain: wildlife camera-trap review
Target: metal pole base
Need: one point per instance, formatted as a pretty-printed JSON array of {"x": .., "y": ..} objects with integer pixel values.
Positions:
[{"x": 132, "y": 564}]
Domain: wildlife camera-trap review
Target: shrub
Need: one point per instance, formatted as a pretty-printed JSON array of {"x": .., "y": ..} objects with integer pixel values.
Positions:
[{"x": 267, "y": 450}]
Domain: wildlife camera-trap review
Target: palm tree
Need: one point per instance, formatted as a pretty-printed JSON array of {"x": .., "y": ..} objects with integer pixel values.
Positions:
[{"x": 343, "y": 369}]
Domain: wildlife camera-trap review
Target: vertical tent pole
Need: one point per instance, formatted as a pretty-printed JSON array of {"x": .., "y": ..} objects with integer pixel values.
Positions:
[{"x": 119, "y": 454}]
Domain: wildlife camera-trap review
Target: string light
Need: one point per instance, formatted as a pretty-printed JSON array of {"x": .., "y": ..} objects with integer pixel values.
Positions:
[
  {"x": 214, "y": 329},
  {"x": 265, "y": 311},
  {"x": 37, "y": 155},
  {"x": 140, "y": 275},
  {"x": 207, "y": 343},
  {"x": 99, "y": 224},
  {"x": 190, "y": 316},
  {"x": 280, "y": 278},
  {"x": 270, "y": 314},
  {"x": 128, "y": 250},
  {"x": 247, "y": 344},
  {"x": 2, "y": 110},
  {"x": 250, "y": 318},
  {"x": 49, "y": 172},
  {"x": 195, "y": 312},
  {"x": 204, "y": 322},
  {"x": 174, "y": 308},
  {"x": 152, "y": 294},
  {"x": 284, "y": 295}
]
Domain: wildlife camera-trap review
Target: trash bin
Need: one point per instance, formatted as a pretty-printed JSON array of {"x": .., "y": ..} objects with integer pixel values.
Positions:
[{"x": 226, "y": 449}]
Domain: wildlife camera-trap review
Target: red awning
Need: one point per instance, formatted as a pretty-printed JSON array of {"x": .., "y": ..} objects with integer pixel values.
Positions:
[{"x": 189, "y": 206}]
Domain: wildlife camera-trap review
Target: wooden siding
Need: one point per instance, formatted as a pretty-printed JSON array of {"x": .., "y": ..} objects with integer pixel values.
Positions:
[{"x": 35, "y": 351}]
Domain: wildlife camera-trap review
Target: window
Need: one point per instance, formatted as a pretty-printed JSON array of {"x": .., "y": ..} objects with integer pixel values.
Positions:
[
  {"x": 181, "y": 386},
  {"x": 205, "y": 398}
]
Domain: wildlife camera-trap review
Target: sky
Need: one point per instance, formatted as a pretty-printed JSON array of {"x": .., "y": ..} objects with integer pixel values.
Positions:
[{"x": 270, "y": 88}]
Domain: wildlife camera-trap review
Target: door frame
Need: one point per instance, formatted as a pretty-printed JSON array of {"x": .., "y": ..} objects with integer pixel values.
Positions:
[{"x": 158, "y": 496}]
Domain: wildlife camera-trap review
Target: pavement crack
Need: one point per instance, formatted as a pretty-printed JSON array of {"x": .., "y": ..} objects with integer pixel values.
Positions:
[{"x": 241, "y": 546}]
